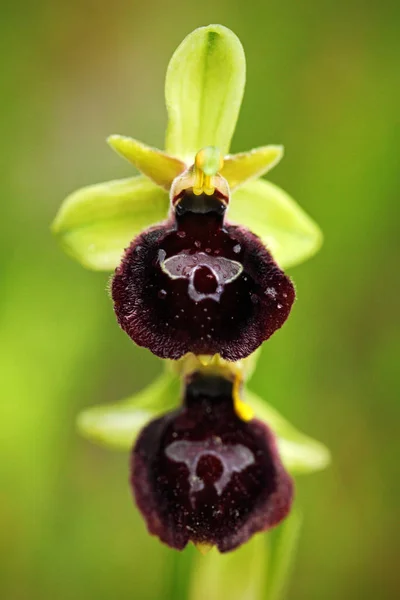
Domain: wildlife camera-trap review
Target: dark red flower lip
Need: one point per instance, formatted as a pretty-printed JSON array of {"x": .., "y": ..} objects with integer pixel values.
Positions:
[
  {"x": 196, "y": 284},
  {"x": 201, "y": 474}
]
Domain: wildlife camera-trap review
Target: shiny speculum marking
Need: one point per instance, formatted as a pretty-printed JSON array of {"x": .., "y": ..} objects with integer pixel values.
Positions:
[
  {"x": 207, "y": 274},
  {"x": 225, "y": 460}
]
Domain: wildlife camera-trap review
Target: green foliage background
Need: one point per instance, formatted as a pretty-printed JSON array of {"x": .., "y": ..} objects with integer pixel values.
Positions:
[{"x": 322, "y": 80}]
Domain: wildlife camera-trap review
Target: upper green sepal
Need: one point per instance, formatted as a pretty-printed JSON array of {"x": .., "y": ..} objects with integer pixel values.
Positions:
[
  {"x": 159, "y": 166},
  {"x": 288, "y": 232},
  {"x": 203, "y": 91},
  {"x": 96, "y": 223}
]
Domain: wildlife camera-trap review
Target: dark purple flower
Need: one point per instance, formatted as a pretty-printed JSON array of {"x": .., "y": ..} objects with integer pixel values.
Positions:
[
  {"x": 197, "y": 284},
  {"x": 201, "y": 473}
]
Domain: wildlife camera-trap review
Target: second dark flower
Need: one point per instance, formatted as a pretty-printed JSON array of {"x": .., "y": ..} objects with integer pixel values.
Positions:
[{"x": 203, "y": 474}]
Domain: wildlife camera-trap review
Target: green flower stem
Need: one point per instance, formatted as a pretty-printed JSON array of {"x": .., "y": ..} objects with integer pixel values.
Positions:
[
  {"x": 182, "y": 565},
  {"x": 259, "y": 570},
  {"x": 233, "y": 576},
  {"x": 283, "y": 556}
]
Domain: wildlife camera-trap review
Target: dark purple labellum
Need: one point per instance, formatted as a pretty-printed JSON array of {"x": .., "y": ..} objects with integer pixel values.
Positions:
[
  {"x": 195, "y": 284},
  {"x": 202, "y": 474}
]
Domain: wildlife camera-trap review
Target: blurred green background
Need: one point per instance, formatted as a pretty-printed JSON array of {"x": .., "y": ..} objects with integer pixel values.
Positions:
[{"x": 322, "y": 80}]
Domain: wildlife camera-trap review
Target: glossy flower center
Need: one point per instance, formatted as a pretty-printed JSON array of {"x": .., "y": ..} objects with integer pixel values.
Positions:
[{"x": 205, "y": 280}]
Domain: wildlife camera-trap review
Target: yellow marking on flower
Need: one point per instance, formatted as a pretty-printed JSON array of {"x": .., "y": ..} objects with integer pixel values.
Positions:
[
  {"x": 198, "y": 181},
  {"x": 243, "y": 410},
  {"x": 214, "y": 364},
  {"x": 203, "y": 547},
  {"x": 207, "y": 163},
  {"x": 208, "y": 185},
  {"x": 206, "y": 359}
]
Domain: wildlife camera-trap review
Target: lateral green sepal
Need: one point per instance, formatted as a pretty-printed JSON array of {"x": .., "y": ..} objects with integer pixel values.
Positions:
[{"x": 159, "y": 166}]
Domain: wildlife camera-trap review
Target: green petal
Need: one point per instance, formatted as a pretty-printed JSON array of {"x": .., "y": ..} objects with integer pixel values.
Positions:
[
  {"x": 160, "y": 167},
  {"x": 239, "y": 168},
  {"x": 117, "y": 425},
  {"x": 203, "y": 90},
  {"x": 236, "y": 575},
  {"x": 96, "y": 223},
  {"x": 269, "y": 212},
  {"x": 299, "y": 453}
]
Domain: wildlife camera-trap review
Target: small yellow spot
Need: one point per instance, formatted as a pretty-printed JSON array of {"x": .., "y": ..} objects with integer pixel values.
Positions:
[
  {"x": 203, "y": 547},
  {"x": 243, "y": 410},
  {"x": 198, "y": 181},
  {"x": 205, "y": 359}
]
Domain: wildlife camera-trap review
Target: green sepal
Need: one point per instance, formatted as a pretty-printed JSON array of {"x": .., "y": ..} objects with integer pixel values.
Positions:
[
  {"x": 269, "y": 212},
  {"x": 203, "y": 91},
  {"x": 96, "y": 223},
  {"x": 299, "y": 453},
  {"x": 160, "y": 167},
  {"x": 117, "y": 425},
  {"x": 242, "y": 167}
]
